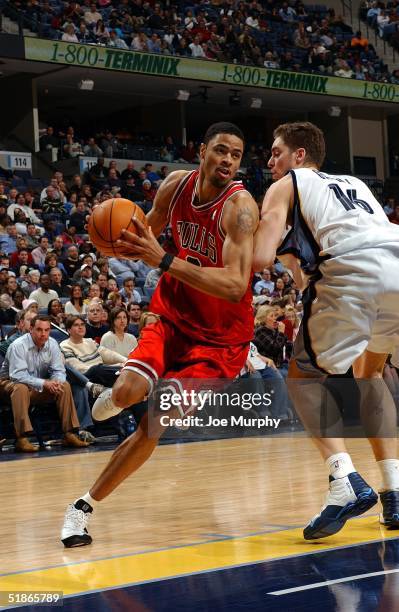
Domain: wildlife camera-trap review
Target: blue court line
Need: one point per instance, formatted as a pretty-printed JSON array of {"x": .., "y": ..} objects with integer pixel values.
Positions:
[
  {"x": 222, "y": 539},
  {"x": 238, "y": 565},
  {"x": 270, "y": 528},
  {"x": 218, "y": 538}
]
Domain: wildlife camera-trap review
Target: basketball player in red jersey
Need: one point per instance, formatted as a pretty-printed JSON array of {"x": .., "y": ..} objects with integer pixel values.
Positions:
[{"x": 203, "y": 298}]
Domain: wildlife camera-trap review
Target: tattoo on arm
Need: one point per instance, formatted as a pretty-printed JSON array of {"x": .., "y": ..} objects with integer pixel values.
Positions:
[{"x": 245, "y": 221}]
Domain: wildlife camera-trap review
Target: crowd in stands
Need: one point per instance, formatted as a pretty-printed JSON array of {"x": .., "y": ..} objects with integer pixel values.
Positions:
[
  {"x": 95, "y": 307},
  {"x": 137, "y": 184},
  {"x": 275, "y": 33},
  {"x": 383, "y": 17},
  {"x": 123, "y": 144}
]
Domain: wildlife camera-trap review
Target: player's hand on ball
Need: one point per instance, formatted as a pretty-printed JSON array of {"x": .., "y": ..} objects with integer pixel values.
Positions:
[{"x": 142, "y": 244}]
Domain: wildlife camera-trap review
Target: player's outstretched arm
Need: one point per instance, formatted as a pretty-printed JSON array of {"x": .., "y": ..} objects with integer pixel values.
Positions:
[
  {"x": 229, "y": 282},
  {"x": 157, "y": 218},
  {"x": 275, "y": 210}
]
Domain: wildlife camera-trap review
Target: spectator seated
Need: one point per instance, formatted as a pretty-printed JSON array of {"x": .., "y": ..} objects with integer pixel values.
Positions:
[{"x": 241, "y": 35}]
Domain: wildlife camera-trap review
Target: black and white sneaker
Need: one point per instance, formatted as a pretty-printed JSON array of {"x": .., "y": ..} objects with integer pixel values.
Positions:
[
  {"x": 96, "y": 390},
  {"x": 74, "y": 531},
  {"x": 347, "y": 497},
  {"x": 104, "y": 408}
]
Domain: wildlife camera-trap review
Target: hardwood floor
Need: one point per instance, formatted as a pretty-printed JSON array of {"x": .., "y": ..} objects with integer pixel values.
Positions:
[{"x": 185, "y": 493}]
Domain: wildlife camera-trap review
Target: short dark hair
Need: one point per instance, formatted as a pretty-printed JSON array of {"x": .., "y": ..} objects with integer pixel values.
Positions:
[
  {"x": 128, "y": 279},
  {"x": 71, "y": 319},
  {"x": 40, "y": 318},
  {"x": 223, "y": 127},
  {"x": 304, "y": 135}
]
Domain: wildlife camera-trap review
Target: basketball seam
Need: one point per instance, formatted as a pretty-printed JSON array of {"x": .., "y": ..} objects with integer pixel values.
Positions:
[
  {"x": 97, "y": 232},
  {"x": 131, "y": 221},
  {"x": 110, "y": 227},
  {"x": 109, "y": 247}
]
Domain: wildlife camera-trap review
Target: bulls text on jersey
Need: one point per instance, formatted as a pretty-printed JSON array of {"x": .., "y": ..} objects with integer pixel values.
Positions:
[{"x": 197, "y": 239}]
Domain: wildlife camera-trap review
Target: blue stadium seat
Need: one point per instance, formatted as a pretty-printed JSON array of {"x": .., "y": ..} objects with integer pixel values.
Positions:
[
  {"x": 59, "y": 336},
  {"x": 5, "y": 330},
  {"x": 35, "y": 184},
  {"x": 18, "y": 182},
  {"x": 23, "y": 174}
]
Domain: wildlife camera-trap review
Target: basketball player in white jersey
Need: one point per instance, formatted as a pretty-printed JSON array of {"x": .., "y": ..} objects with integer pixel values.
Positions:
[{"x": 342, "y": 240}]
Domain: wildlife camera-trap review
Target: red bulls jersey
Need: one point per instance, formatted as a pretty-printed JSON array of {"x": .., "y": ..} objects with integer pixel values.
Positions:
[{"x": 198, "y": 234}]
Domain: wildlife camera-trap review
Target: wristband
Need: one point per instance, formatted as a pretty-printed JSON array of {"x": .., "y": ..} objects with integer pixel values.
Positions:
[{"x": 166, "y": 262}]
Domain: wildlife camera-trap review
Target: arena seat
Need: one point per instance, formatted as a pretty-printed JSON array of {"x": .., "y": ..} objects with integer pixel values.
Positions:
[{"x": 5, "y": 330}]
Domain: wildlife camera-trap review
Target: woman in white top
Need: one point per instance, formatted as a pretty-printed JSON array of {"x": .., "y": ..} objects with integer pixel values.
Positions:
[
  {"x": 190, "y": 21},
  {"x": 75, "y": 306},
  {"x": 117, "y": 339},
  {"x": 69, "y": 34}
]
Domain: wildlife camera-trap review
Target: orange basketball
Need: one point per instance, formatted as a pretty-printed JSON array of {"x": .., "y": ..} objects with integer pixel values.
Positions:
[{"x": 107, "y": 222}]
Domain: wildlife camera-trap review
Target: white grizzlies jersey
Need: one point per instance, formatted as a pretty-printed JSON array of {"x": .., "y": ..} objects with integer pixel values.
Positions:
[{"x": 334, "y": 215}]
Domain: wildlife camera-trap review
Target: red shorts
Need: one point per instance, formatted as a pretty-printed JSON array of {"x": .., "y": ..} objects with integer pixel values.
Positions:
[{"x": 164, "y": 352}]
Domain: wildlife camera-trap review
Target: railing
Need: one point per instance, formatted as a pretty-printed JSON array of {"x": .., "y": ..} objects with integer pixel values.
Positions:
[
  {"x": 363, "y": 23},
  {"x": 35, "y": 24},
  {"x": 20, "y": 17},
  {"x": 347, "y": 7}
]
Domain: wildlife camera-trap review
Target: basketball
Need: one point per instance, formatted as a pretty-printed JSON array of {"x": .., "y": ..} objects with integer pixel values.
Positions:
[{"x": 107, "y": 222}]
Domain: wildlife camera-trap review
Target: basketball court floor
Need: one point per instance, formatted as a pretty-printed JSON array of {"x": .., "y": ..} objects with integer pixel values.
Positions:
[{"x": 203, "y": 526}]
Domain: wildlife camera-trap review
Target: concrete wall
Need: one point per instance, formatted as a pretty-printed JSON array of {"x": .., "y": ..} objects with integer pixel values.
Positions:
[
  {"x": 368, "y": 138},
  {"x": 367, "y": 141},
  {"x": 337, "y": 140}
]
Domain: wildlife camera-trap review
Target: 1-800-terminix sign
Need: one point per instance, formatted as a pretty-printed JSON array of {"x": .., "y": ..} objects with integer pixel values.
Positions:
[{"x": 106, "y": 58}]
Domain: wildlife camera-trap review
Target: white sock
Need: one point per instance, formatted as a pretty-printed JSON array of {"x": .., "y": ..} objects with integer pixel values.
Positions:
[
  {"x": 88, "y": 499},
  {"x": 389, "y": 469},
  {"x": 89, "y": 385},
  {"x": 340, "y": 465}
]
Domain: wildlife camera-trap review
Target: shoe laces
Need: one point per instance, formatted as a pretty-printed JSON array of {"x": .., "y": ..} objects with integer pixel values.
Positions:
[
  {"x": 339, "y": 492},
  {"x": 97, "y": 389},
  {"x": 105, "y": 395},
  {"x": 86, "y": 436},
  {"x": 76, "y": 519}
]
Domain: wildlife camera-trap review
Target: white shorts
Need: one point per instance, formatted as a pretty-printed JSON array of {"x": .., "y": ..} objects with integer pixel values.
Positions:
[{"x": 350, "y": 306}]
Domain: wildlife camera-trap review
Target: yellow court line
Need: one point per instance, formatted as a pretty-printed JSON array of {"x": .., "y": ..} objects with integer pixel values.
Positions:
[{"x": 142, "y": 567}]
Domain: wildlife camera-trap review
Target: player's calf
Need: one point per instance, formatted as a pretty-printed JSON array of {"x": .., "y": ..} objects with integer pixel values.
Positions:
[{"x": 130, "y": 388}]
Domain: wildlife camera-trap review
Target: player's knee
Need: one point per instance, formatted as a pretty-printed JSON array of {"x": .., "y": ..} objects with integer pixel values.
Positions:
[{"x": 130, "y": 388}]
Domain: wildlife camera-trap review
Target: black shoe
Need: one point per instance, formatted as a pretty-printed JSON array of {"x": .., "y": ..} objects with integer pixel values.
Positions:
[{"x": 390, "y": 509}]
